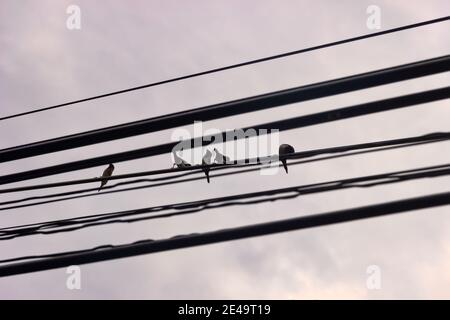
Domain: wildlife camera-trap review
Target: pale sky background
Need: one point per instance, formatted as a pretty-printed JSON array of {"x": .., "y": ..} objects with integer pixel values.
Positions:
[{"x": 121, "y": 45}]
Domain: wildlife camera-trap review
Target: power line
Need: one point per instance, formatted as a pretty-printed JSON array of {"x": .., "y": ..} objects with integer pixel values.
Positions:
[
  {"x": 211, "y": 71},
  {"x": 241, "y": 106},
  {"x": 110, "y": 252},
  {"x": 427, "y": 138},
  {"x": 255, "y": 130},
  {"x": 193, "y": 169},
  {"x": 252, "y": 169},
  {"x": 72, "y": 224}
]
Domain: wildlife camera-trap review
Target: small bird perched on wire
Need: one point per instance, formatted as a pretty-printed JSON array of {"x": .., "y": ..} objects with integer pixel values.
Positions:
[
  {"x": 179, "y": 162},
  {"x": 106, "y": 174},
  {"x": 206, "y": 160},
  {"x": 283, "y": 150},
  {"x": 220, "y": 158}
]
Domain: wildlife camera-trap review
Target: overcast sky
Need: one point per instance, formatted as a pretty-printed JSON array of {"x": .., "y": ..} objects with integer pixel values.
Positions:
[{"x": 121, "y": 45}]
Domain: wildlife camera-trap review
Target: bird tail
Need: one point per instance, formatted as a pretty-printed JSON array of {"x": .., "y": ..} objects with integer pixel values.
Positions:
[
  {"x": 101, "y": 186},
  {"x": 207, "y": 174},
  {"x": 285, "y": 165}
]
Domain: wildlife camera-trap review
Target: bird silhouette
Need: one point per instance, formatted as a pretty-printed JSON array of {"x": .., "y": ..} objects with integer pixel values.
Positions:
[
  {"x": 206, "y": 160},
  {"x": 106, "y": 174},
  {"x": 283, "y": 150},
  {"x": 179, "y": 162},
  {"x": 220, "y": 158}
]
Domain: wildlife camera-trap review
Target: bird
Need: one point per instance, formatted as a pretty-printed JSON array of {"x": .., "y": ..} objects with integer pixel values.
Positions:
[
  {"x": 179, "y": 162},
  {"x": 283, "y": 150},
  {"x": 220, "y": 158},
  {"x": 106, "y": 174},
  {"x": 206, "y": 160}
]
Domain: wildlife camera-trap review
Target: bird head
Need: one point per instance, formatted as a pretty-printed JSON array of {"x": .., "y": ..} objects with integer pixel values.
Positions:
[
  {"x": 111, "y": 165},
  {"x": 285, "y": 149}
]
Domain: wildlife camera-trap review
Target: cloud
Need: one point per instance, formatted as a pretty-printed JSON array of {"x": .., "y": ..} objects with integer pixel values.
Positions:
[{"x": 43, "y": 63}]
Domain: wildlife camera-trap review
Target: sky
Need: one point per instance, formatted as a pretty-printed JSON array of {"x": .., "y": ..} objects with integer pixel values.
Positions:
[{"x": 119, "y": 45}]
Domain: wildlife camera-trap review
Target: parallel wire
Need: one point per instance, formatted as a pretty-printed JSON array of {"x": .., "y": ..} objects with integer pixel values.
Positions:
[
  {"x": 401, "y": 142},
  {"x": 107, "y": 252},
  {"x": 72, "y": 224},
  {"x": 35, "y": 263},
  {"x": 185, "y": 180},
  {"x": 242, "y": 64},
  {"x": 245, "y": 133}
]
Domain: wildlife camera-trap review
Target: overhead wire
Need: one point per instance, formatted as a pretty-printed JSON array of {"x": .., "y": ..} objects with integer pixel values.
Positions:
[
  {"x": 248, "y": 132},
  {"x": 239, "y": 163},
  {"x": 230, "y": 108},
  {"x": 34, "y": 263},
  {"x": 233, "y": 66},
  {"x": 64, "y": 198},
  {"x": 72, "y": 224},
  {"x": 108, "y": 252}
]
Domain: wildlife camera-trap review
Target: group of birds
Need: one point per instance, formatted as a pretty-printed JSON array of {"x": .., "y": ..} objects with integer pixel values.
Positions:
[
  {"x": 206, "y": 160},
  {"x": 219, "y": 158}
]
